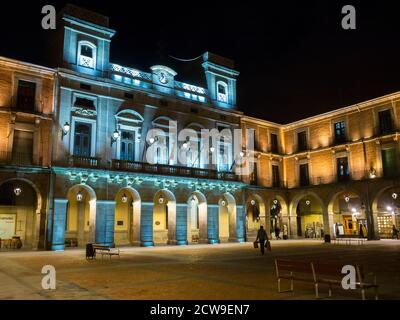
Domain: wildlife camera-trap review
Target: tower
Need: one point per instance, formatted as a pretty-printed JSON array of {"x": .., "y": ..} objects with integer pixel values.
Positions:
[
  {"x": 221, "y": 80},
  {"x": 84, "y": 41}
]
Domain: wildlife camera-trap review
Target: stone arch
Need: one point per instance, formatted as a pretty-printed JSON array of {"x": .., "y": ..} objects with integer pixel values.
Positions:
[
  {"x": 127, "y": 216},
  {"x": 81, "y": 214},
  {"x": 31, "y": 233},
  {"x": 164, "y": 217},
  {"x": 384, "y": 216},
  {"x": 301, "y": 224},
  {"x": 255, "y": 216},
  {"x": 197, "y": 201},
  {"x": 227, "y": 218}
]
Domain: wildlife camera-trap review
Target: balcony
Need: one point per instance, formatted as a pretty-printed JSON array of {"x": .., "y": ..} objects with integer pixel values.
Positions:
[
  {"x": 163, "y": 169},
  {"x": 84, "y": 162},
  {"x": 17, "y": 159}
]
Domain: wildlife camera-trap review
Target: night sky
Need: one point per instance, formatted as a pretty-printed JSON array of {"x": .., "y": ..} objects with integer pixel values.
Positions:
[{"x": 294, "y": 57}]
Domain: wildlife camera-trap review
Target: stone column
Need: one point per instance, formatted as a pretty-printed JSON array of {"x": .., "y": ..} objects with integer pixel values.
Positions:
[
  {"x": 146, "y": 226},
  {"x": 293, "y": 227},
  {"x": 172, "y": 216},
  {"x": 136, "y": 207},
  {"x": 233, "y": 216},
  {"x": 327, "y": 218},
  {"x": 105, "y": 216},
  {"x": 59, "y": 219},
  {"x": 181, "y": 224},
  {"x": 212, "y": 223},
  {"x": 240, "y": 225}
]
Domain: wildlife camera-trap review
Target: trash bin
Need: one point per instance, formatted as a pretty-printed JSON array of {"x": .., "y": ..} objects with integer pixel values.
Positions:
[
  {"x": 327, "y": 238},
  {"x": 89, "y": 251}
]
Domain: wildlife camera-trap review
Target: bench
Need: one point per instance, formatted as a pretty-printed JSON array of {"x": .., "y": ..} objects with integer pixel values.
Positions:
[
  {"x": 317, "y": 274},
  {"x": 106, "y": 250},
  {"x": 292, "y": 270},
  {"x": 349, "y": 241}
]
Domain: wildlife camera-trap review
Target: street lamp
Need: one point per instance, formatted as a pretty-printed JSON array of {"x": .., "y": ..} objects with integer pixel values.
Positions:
[
  {"x": 17, "y": 191},
  {"x": 124, "y": 198},
  {"x": 65, "y": 130},
  {"x": 115, "y": 136},
  {"x": 79, "y": 196}
]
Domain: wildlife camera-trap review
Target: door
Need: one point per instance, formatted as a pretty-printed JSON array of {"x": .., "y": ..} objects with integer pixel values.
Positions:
[
  {"x": 127, "y": 151},
  {"x": 82, "y": 140},
  {"x": 389, "y": 162}
]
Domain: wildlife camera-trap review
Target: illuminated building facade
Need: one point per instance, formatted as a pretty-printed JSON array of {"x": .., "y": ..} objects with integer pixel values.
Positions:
[{"x": 332, "y": 174}]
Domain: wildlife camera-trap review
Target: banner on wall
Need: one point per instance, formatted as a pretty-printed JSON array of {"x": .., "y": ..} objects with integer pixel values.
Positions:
[{"x": 7, "y": 226}]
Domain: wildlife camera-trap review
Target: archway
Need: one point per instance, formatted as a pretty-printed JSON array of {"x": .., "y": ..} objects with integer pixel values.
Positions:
[
  {"x": 127, "y": 217},
  {"x": 386, "y": 211},
  {"x": 20, "y": 214},
  {"x": 81, "y": 216},
  {"x": 227, "y": 218},
  {"x": 310, "y": 219},
  {"x": 255, "y": 216},
  {"x": 197, "y": 218},
  {"x": 349, "y": 216},
  {"x": 164, "y": 218}
]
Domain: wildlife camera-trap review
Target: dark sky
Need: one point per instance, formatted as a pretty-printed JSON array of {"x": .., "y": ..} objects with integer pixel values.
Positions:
[{"x": 295, "y": 59}]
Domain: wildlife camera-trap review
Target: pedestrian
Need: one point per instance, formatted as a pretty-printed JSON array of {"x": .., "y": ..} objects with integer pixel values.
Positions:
[
  {"x": 395, "y": 232},
  {"x": 262, "y": 236},
  {"x": 285, "y": 232},
  {"x": 361, "y": 231},
  {"x": 277, "y": 232}
]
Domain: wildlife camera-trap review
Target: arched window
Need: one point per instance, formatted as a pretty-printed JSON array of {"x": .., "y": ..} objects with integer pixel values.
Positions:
[
  {"x": 87, "y": 54},
  {"x": 222, "y": 91}
]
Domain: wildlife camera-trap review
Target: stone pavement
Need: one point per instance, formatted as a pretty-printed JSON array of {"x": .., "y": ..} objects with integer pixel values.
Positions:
[{"x": 225, "y": 271}]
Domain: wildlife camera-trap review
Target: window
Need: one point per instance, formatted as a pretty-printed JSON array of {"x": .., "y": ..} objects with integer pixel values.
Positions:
[
  {"x": 389, "y": 162},
  {"x": 22, "y": 149},
  {"x": 304, "y": 177},
  {"x": 340, "y": 132},
  {"x": 274, "y": 143},
  {"x": 86, "y": 54},
  {"x": 82, "y": 139},
  {"x": 84, "y": 103},
  {"x": 163, "y": 150},
  {"x": 275, "y": 176},
  {"x": 26, "y": 96},
  {"x": 222, "y": 92},
  {"x": 302, "y": 141},
  {"x": 343, "y": 172},
  {"x": 222, "y": 161},
  {"x": 385, "y": 122},
  {"x": 127, "y": 145}
]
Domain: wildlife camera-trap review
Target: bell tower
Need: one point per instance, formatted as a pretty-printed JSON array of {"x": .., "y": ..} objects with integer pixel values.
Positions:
[
  {"x": 221, "y": 80},
  {"x": 84, "y": 40}
]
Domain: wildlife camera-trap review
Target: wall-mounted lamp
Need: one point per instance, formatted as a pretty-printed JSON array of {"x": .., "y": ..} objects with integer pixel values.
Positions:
[
  {"x": 308, "y": 202},
  {"x": 354, "y": 210},
  {"x": 161, "y": 200},
  {"x": 124, "y": 198},
  {"x": 115, "y": 136},
  {"x": 241, "y": 154},
  {"x": 389, "y": 208},
  {"x": 347, "y": 198},
  {"x": 65, "y": 129},
  {"x": 79, "y": 196},
  {"x": 212, "y": 149},
  {"x": 252, "y": 202},
  {"x": 372, "y": 173},
  {"x": 394, "y": 195},
  {"x": 223, "y": 203},
  {"x": 275, "y": 201},
  {"x": 17, "y": 191},
  {"x": 193, "y": 200}
]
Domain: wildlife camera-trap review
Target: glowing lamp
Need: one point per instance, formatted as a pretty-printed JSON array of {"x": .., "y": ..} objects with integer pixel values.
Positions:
[
  {"x": 79, "y": 196},
  {"x": 17, "y": 191},
  {"x": 124, "y": 198},
  {"x": 161, "y": 200}
]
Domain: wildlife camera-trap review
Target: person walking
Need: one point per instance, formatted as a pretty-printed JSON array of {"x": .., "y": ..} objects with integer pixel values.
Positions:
[
  {"x": 262, "y": 237},
  {"x": 395, "y": 231}
]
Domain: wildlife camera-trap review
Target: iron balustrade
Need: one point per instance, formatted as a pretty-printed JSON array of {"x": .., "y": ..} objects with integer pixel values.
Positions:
[
  {"x": 18, "y": 159},
  {"x": 165, "y": 169}
]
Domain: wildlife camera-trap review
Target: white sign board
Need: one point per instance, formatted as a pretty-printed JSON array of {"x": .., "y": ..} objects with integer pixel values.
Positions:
[{"x": 7, "y": 226}]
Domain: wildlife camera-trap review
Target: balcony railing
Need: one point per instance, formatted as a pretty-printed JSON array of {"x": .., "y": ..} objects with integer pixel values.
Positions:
[
  {"x": 84, "y": 162},
  {"x": 164, "y": 169},
  {"x": 16, "y": 158}
]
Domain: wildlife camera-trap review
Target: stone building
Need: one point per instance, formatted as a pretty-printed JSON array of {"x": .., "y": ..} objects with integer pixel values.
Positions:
[
  {"x": 93, "y": 151},
  {"x": 26, "y": 106}
]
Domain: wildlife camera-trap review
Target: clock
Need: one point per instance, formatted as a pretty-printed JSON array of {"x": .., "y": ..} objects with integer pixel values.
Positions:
[{"x": 162, "y": 77}]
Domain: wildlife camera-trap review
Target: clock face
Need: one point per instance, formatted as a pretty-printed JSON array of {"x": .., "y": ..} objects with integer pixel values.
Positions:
[{"x": 163, "y": 78}]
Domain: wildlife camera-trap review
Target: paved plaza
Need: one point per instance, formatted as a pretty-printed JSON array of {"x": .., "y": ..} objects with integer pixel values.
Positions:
[{"x": 225, "y": 271}]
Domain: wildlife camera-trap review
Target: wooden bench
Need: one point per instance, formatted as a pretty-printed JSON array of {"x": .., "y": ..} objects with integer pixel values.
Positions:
[
  {"x": 293, "y": 270},
  {"x": 332, "y": 275},
  {"x": 317, "y": 274},
  {"x": 106, "y": 250},
  {"x": 349, "y": 241}
]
